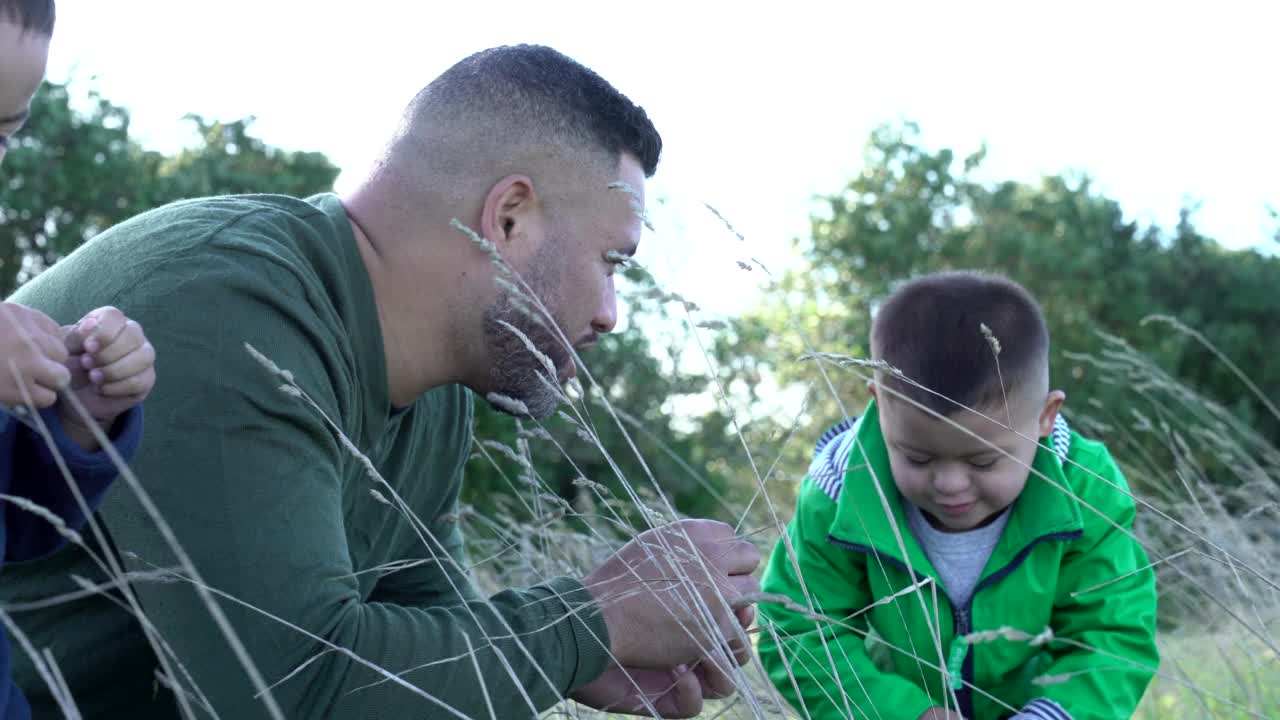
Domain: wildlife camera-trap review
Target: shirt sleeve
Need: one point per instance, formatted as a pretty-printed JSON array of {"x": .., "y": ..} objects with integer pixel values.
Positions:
[{"x": 37, "y": 477}]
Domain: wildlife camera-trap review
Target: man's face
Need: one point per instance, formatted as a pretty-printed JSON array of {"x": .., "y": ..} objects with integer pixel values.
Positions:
[
  {"x": 23, "y": 56},
  {"x": 961, "y": 481},
  {"x": 572, "y": 273}
]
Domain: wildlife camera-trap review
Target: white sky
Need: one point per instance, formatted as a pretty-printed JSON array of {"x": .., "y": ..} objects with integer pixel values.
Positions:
[{"x": 759, "y": 110}]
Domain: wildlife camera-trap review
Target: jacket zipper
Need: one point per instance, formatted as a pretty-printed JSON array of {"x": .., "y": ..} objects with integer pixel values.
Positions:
[
  {"x": 959, "y": 653},
  {"x": 959, "y": 665},
  {"x": 960, "y": 668}
]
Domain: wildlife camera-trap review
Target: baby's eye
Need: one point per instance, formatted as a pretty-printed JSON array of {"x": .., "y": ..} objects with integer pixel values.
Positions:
[
  {"x": 918, "y": 460},
  {"x": 984, "y": 464}
]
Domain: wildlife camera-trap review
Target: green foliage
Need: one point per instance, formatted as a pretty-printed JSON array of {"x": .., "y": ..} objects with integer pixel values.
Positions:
[
  {"x": 75, "y": 173},
  {"x": 912, "y": 211}
]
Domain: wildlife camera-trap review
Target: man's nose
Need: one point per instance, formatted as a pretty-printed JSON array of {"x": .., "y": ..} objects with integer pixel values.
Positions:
[{"x": 605, "y": 318}]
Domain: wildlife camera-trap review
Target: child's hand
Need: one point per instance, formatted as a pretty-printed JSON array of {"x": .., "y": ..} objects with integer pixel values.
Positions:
[
  {"x": 112, "y": 366},
  {"x": 30, "y": 346}
]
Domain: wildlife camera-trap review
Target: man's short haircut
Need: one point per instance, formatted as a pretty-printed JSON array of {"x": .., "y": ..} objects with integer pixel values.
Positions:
[
  {"x": 553, "y": 97},
  {"x": 930, "y": 328},
  {"x": 33, "y": 16}
]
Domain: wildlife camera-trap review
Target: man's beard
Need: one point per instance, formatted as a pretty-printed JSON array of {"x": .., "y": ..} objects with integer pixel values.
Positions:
[{"x": 516, "y": 372}]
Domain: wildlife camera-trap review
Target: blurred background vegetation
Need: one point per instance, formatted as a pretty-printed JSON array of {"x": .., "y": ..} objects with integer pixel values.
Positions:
[{"x": 1164, "y": 341}]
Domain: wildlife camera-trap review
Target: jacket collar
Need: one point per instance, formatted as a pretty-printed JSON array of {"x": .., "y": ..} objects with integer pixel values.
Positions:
[{"x": 870, "y": 515}]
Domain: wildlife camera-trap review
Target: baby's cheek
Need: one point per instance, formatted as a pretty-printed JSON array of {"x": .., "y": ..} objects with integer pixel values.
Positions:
[
  {"x": 910, "y": 483},
  {"x": 1003, "y": 487}
]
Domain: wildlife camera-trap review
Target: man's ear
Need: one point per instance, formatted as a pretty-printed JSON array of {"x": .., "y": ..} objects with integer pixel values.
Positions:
[
  {"x": 510, "y": 217},
  {"x": 1049, "y": 414}
]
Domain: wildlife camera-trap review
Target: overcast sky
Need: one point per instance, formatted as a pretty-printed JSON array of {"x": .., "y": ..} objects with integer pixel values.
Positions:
[{"x": 760, "y": 110}]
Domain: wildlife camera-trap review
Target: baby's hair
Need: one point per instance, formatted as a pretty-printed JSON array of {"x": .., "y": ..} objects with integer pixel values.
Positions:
[
  {"x": 947, "y": 331},
  {"x": 32, "y": 16}
]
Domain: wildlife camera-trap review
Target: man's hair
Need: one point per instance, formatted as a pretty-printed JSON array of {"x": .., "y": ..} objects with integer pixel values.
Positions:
[
  {"x": 35, "y": 16},
  {"x": 931, "y": 329},
  {"x": 555, "y": 94},
  {"x": 535, "y": 98}
]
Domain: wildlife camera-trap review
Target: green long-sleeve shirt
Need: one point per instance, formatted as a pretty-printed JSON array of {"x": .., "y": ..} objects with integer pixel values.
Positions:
[{"x": 270, "y": 506}]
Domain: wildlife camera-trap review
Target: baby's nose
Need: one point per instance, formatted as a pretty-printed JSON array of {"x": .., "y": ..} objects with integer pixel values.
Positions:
[{"x": 950, "y": 481}]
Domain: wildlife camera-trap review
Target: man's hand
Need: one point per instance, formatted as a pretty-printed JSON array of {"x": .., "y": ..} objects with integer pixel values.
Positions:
[
  {"x": 112, "y": 368},
  {"x": 675, "y": 693},
  {"x": 667, "y": 595},
  {"x": 31, "y": 355}
]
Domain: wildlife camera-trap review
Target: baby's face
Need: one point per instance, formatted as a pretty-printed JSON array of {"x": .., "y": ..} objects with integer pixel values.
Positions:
[
  {"x": 23, "y": 56},
  {"x": 959, "y": 480}
]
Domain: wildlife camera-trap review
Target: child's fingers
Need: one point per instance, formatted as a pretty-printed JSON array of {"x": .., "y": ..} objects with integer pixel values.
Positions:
[
  {"x": 42, "y": 397},
  {"x": 139, "y": 385},
  {"x": 132, "y": 364},
  {"x": 71, "y": 340},
  {"x": 49, "y": 346},
  {"x": 53, "y": 375},
  {"x": 73, "y": 337},
  {"x": 46, "y": 378},
  {"x": 79, "y": 375},
  {"x": 20, "y": 319},
  {"x": 101, "y": 327},
  {"x": 128, "y": 340}
]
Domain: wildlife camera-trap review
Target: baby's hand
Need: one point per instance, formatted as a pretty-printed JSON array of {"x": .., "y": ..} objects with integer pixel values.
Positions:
[
  {"x": 32, "y": 354},
  {"x": 112, "y": 365}
]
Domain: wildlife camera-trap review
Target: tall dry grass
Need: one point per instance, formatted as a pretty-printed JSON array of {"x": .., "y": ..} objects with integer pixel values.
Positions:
[{"x": 1207, "y": 486}]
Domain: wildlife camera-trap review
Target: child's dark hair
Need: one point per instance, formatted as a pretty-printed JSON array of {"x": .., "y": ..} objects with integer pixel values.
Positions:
[
  {"x": 930, "y": 328},
  {"x": 33, "y": 16}
]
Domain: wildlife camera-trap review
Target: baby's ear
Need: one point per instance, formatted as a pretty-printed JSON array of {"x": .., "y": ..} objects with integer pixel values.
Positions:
[{"x": 1049, "y": 415}]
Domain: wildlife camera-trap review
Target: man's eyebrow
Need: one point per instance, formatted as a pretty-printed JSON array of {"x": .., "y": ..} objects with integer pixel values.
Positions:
[{"x": 15, "y": 118}]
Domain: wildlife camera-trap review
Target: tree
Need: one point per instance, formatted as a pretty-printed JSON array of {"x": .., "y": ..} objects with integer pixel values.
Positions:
[
  {"x": 912, "y": 211},
  {"x": 73, "y": 174}
]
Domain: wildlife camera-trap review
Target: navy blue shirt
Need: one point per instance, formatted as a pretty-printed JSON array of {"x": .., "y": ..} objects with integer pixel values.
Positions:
[{"x": 28, "y": 470}]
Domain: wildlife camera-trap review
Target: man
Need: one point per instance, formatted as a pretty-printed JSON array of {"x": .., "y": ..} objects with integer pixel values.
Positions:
[{"x": 309, "y": 580}]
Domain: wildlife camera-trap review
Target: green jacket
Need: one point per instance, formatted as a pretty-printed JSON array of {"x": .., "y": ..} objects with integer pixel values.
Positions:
[{"x": 1059, "y": 565}]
